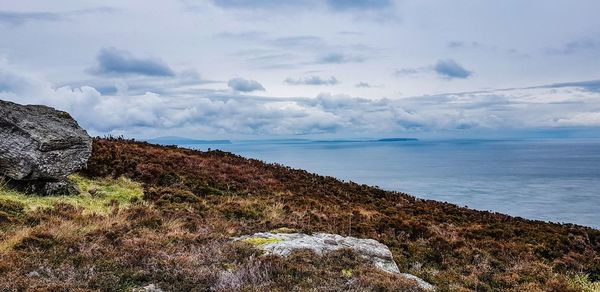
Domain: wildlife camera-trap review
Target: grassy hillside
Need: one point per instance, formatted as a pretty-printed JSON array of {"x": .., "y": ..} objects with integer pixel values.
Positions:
[{"x": 178, "y": 234}]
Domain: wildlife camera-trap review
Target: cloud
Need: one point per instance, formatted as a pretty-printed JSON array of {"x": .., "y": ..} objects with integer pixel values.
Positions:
[
  {"x": 152, "y": 114},
  {"x": 577, "y": 46},
  {"x": 242, "y": 35},
  {"x": 262, "y": 4},
  {"x": 581, "y": 119},
  {"x": 339, "y": 58},
  {"x": 463, "y": 44},
  {"x": 591, "y": 85},
  {"x": 15, "y": 18},
  {"x": 115, "y": 62},
  {"x": 411, "y": 71},
  {"x": 363, "y": 84},
  {"x": 359, "y": 4},
  {"x": 312, "y": 80},
  {"x": 334, "y": 5},
  {"x": 448, "y": 68},
  {"x": 244, "y": 85},
  {"x": 18, "y": 18},
  {"x": 293, "y": 51},
  {"x": 302, "y": 41},
  {"x": 183, "y": 82},
  {"x": 216, "y": 114}
]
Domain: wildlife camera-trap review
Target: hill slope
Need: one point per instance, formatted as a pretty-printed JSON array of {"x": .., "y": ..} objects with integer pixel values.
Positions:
[{"x": 178, "y": 236}]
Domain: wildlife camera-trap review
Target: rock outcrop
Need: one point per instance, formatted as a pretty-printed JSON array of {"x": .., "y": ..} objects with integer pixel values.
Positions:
[
  {"x": 40, "y": 147},
  {"x": 284, "y": 243}
]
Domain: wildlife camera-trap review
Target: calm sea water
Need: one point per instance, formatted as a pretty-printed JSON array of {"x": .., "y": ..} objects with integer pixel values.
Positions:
[{"x": 556, "y": 180}]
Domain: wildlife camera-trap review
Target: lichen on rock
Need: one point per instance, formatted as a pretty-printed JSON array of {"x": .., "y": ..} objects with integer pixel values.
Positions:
[{"x": 284, "y": 244}]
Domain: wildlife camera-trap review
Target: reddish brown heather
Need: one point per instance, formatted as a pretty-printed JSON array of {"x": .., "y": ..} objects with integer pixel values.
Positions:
[{"x": 194, "y": 201}]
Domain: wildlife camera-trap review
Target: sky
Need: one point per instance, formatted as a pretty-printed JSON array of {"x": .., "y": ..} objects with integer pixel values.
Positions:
[{"x": 235, "y": 69}]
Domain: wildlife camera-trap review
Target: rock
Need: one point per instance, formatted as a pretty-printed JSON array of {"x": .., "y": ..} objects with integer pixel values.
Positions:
[
  {"x": 148, "y": 288},
  {"x": 420, "y": 282},
  {"x": 45, "y": 187},
  {"x": 33, "y": 274},
  {"x": 60, "y": 188},
  {"x": 284, "y": 243},
  {"x": 40, "y": 147}
]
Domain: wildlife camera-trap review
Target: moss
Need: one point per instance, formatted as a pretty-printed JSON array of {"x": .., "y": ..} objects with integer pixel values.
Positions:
[
  {"x": 258, "y": 241},
  {"x": 97, "y": 196},
  {"x": 347, "y": 273}
]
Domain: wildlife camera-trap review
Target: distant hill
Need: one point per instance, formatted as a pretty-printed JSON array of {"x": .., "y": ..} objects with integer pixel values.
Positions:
[{"x": 397, "y": 139}]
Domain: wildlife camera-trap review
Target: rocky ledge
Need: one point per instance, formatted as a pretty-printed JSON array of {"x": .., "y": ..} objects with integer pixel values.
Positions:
[
  {"x": 284, "y": 243},
  {"x": 40, "y": 147}
]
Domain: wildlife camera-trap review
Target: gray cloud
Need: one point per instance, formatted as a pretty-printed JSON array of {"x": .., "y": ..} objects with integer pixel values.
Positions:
[
  {"x": 411, "y": 71},
  {"x": 591, "y": 85},
  {"x": 448, "y": 68},
  {"x": 335, "y": 5},
  {"x": 463, "y": 44},
  {"x": 359, "y": 4},
  {"x": 15, "y": 18},
  {"x": 112, "y": 61},
  {"x": 312, "y": 80},
  {"x": 302, "y": 41},
  {"x": 183, "y": 82},
  {"x": 262, "y": 4},
  {"x": 294, "y": 51},
  {"x": 244, "y": 85},
  {"x": 286, "y": 42},
  {"x": 577, "y": 46},
  {"x": 243, "y": 35},
  {"x": 18, "y": 18},
  {"x": 339, "y": 58}
]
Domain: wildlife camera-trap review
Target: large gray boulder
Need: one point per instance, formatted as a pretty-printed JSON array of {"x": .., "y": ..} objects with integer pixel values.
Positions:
[
  {"x": 284, "y": 243},
  {"x": 40, "y": 146}
]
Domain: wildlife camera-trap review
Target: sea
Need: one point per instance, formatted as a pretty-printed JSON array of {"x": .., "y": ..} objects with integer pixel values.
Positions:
[{"x": 549, "y": 180}]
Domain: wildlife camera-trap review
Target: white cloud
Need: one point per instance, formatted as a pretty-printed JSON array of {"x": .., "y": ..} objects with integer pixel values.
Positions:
[
  {"x": 581, "y": 119},
  {"x": 214, "y": 114}
]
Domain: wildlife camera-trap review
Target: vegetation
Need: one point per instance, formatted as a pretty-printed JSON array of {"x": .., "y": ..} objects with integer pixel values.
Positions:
[
  {"x": 178, "y": 236},
  {"x": 582, "y": 283},
  {"x": 97, "y": 196}
]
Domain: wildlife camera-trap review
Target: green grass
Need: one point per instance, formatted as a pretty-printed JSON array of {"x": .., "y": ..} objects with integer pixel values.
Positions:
[
  {"x": 582, "y": 282},
  {"x": 97, "y": 196},
  {"x": 347, "y": 273}
]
